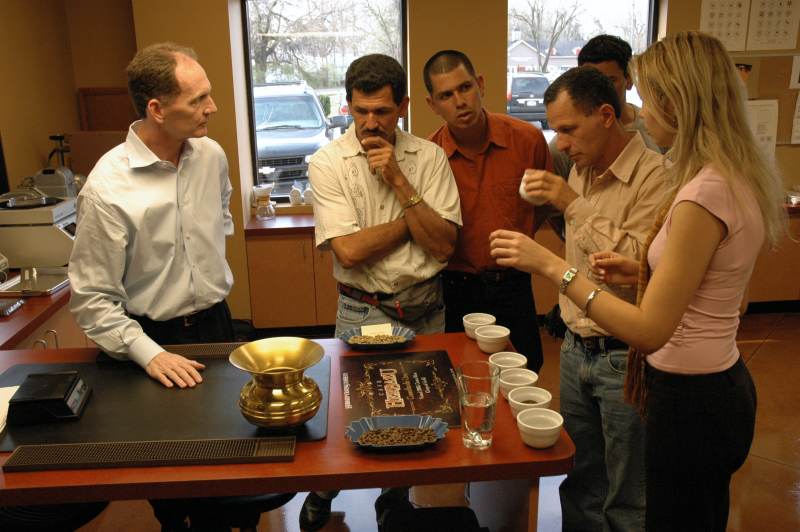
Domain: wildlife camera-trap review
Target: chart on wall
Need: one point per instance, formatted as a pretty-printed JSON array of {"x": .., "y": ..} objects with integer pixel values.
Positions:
[
  {"x": 752, "y": 24},
  {"x": 773, "y": 24},
  {"x": 727, "y": 21}
]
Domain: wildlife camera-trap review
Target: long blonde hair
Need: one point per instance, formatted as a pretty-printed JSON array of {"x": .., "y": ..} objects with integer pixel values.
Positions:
[{"x": 692, "y": 89}]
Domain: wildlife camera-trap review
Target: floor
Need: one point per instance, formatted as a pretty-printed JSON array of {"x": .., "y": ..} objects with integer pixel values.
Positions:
[{"x": 765, "y": 493}]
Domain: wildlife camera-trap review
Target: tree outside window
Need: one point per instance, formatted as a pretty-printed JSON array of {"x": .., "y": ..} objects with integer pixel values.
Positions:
[
  {"x": 545, "y": 37},
  {"x": 299, "y": 51}
]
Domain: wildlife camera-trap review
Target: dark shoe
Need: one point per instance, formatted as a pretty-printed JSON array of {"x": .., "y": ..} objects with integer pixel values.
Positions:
[
  {"x": 391, "y": 501},
  {"x": 315, "y": 513}
]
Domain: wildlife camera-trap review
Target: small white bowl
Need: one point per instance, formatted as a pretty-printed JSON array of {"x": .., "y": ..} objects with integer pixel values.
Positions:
[
  {"x": 492, "y": 338},
  {"x": 526, "y": 397},
  {"x": 507, "y": 360},
  {"x": 516, "y": 377},
  {"x": 539, "y": 427},
  {"x": 475, "y": 320}
]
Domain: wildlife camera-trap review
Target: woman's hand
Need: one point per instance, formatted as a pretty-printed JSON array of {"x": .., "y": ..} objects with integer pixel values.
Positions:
[
  {"x": 521, "y": 252},
  {"x": 613, "y": 268}
]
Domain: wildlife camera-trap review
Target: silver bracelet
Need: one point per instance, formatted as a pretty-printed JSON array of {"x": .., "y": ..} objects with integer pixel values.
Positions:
[{"x": 592, "y": 295}]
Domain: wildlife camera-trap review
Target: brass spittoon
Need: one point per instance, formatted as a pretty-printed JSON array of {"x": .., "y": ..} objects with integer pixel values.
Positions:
[{"x": 279, "y": 396}]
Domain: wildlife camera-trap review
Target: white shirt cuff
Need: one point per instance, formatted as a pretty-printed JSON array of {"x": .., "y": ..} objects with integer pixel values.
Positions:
[{"x": 143, "y": 350}]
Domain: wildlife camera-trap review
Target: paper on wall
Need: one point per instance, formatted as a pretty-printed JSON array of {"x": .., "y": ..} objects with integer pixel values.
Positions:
[
  {"x": 773, "y": 25},
  {"x": 763, "y": 115},
  {"x": 727, "y": 21}
]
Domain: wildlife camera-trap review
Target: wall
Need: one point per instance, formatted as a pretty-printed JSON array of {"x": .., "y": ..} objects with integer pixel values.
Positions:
[
  {"x": 102, "y": 41},
  {"x": 769, "y": 80},
  {"x": 204, "y": 25},
  {"x": 37, "y": 94},
  {"x": 479, "y": 31}
]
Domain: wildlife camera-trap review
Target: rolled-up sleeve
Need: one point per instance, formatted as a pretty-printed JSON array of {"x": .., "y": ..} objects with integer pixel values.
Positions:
[{"x": 96, "y": 272}]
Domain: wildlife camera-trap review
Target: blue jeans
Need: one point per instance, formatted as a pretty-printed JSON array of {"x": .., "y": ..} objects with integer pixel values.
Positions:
[{"x": 606, "y": 488}]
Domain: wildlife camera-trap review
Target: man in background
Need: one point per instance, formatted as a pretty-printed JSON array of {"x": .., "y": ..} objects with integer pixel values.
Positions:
[
  {"x": 610, "y": 55},
  {"x": 488, "y": 153}
]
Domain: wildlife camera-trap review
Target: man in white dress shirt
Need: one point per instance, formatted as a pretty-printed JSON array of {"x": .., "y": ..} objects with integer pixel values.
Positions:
[{"x": 148, "y": 265}]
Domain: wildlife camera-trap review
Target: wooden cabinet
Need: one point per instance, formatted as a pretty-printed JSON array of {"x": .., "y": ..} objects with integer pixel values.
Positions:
[
  {"x": 281, "y": 270},
  {"x": 775, "y": 275},
  {"x": 291, "y": 281},
  {"x": 59, "y": 331},
  {"x": 325, "y": 287}
]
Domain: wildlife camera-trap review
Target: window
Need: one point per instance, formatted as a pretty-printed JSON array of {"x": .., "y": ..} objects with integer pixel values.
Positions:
[
  {"x": 299, "y": 51},
  {"x": 545, "y": 37}
]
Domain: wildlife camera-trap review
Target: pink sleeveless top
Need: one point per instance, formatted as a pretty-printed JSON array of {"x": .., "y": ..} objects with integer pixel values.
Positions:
[{"x": 705, "y": 339}]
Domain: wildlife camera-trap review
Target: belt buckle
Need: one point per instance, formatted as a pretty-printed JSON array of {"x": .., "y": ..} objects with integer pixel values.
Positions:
[
  {"x": 590, "y": 343},
  {"x": 189, "y": 319}
]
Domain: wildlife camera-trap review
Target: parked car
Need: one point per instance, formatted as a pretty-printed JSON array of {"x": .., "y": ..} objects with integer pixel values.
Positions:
[
  {"x": 525, "y": 97},
  {"x": 290, "y": 126},
  {"x": 344, "y": 118}
]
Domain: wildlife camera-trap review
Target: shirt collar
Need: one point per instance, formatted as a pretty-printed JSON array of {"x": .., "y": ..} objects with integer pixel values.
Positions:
[
  {"x": 404, "y": 143},
  {"x": 624, "y": 165},
  {"x": 499, "y": 135},
  {"x": 140, "y": 156}
]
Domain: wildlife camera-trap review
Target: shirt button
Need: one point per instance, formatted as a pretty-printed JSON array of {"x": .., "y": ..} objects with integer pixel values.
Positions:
[{"x": 381, "y": 206}]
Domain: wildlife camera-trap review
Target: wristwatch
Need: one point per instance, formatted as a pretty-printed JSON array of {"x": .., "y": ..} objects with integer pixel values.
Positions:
[
  {"x": 567, "y": 278},
  {"x": 413, "y": 200}
]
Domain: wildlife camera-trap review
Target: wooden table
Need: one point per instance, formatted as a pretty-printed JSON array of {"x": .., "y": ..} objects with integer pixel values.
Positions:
[{"x": 332, "y": 463}]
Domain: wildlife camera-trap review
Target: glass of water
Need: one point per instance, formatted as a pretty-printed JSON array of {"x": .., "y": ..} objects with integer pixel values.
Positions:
[{"x": 478, "y": 383}]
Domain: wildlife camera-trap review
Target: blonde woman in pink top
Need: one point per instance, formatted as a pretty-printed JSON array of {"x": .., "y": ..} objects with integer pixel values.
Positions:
[{"x": 684, "y": 372}]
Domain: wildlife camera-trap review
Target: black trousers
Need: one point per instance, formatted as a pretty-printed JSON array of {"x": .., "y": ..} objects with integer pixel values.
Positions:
[
  {"x": 698, "y": 433},
  {"x": 213, "y": 324},
  {"x": 505, "y": 294}
]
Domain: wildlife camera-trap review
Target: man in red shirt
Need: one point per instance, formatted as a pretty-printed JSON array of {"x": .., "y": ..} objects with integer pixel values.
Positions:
[{"x": 488, "y": 153}]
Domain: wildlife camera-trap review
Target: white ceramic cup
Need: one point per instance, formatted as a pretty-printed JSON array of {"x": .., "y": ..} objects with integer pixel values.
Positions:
[
  {"x": 508, "y": 360},
  {"x": 525, "y": 397},
  {"x": 524, "y": 195}
]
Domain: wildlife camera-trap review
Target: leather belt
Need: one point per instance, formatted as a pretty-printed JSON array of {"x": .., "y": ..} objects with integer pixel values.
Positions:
[
  {"x": 371, "y": 298},
  {"x": 486, "y": 276},
  {"x": 600, "y": 343}
]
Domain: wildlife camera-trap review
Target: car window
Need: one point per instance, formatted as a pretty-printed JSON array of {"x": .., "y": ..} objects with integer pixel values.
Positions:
[
  {"x": 537, "y": 85},
  {"x": 286, "y": 112}
]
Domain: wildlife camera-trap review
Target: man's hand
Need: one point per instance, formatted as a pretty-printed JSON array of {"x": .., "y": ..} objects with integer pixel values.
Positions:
[
  {"x": 544, "y": 186},
  {"x": 515, "y": 250},
  {"x": 169, "y": 368},
  {"x": 380, "y": 155},
  {"x": 612, "y": 268}
]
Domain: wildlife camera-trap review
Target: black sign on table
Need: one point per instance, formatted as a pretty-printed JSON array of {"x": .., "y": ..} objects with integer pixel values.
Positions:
[{"x": 421, "y": 383}]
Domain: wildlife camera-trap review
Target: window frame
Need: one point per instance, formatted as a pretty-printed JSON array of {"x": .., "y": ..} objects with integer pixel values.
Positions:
[{"x": 249, "y": 83}]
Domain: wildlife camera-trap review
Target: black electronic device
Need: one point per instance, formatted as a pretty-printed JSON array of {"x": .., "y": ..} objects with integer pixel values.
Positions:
[{"x": 48, "y": 397}]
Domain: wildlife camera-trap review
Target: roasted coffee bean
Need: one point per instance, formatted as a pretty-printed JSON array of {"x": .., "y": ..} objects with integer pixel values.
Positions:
[
  {"x": 397, "y": 436},
  {"x": 377, "y": 339}
]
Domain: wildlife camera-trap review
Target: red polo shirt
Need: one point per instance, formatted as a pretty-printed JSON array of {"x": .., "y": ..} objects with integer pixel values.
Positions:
[{"x": 488, "y": 186}]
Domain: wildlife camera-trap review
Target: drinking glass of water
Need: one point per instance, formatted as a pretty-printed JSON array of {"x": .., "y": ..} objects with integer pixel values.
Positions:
[{"x": 478, "y": 383}]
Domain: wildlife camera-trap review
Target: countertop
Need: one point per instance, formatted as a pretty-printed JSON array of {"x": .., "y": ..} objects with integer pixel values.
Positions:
[
  {"x": 283, "y": 224},
  {"x": 35, "y": 311}
]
